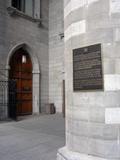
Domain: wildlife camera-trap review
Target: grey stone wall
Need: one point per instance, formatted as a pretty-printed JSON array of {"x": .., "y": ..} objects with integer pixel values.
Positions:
[
  {"x": 56, "y": 53},
  {"x": 15, "y": 30},
  {"x": 87, "y": 135},
  {"x": 2, "y": 37}
]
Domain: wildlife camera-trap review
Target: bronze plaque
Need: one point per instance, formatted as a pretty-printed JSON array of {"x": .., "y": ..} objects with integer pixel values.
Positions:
[{"x": 87, "y": 68}]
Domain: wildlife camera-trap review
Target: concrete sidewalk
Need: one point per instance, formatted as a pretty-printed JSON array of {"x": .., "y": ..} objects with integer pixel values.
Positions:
[{"x": 34, "y": 138}]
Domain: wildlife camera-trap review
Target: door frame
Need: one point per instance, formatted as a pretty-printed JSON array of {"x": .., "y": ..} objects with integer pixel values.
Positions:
[
  {"x": 35, "y": 74},
  {"x": 63, "y": 99}
]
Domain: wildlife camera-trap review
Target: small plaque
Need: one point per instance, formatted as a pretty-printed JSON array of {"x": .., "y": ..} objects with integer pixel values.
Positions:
[
  {"x": 87, "y": 68},
  {"x": 112, "y": 116}
]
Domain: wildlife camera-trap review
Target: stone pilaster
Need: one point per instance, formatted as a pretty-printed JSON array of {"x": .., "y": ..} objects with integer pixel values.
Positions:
[{"x": 88, "y": 137}]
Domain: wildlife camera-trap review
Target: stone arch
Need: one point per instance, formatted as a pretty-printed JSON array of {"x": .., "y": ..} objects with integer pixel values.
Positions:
[
  {"x": 35, "y": 63},
  {"x": 35, "y": 73}
]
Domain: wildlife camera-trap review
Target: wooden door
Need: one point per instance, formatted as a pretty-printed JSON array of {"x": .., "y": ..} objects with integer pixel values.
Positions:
[{"x": 21, "y": 71}]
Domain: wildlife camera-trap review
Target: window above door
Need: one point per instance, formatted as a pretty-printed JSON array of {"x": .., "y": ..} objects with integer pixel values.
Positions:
[
  {"x": 25, "y": 6},
  {"x": 26, "y": 9}
]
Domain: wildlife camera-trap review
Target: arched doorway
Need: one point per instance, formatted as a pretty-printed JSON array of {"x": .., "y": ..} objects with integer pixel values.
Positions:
[{"x": 21, "y": 71}]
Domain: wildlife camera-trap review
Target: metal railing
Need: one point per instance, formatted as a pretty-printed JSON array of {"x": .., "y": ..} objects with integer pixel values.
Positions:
[{"x": 7, "y": 99}]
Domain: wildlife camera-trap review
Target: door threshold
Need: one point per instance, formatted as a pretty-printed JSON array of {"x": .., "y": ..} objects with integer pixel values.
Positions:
[{"x": 20, "y": 118}]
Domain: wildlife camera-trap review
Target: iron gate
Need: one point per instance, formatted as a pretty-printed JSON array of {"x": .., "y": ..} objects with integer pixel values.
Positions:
[
  {"x": 8, "y": 99},
  {"x": 12, "y": 110}
]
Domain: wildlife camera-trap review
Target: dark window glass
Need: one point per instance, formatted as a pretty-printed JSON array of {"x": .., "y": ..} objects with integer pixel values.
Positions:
[
  {"x": 16, "y": 4},
  {"x": 25, "y": 6},
  {"x": 29, "y": 7},
  {"x": 22, "y": 5}
]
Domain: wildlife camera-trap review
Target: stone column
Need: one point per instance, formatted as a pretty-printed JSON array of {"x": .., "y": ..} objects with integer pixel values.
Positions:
[
  {"x": 88, "y": 137},
  {"x": 36, "y": 92}
]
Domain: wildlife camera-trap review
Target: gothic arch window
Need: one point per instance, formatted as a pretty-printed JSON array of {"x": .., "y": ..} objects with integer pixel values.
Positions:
[{"x": 26, "y": 6}]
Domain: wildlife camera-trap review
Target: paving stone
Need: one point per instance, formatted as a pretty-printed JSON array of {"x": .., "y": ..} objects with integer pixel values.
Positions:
[{"x": 33, "y": 138}]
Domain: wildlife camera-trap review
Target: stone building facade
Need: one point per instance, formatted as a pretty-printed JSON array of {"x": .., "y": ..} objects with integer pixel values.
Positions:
[
  {"x": 90, "y": 135},
  {"x": 39, "y": 35},
  {"x": 92, "y": 118},
  {"x": 56, "y": 53}
]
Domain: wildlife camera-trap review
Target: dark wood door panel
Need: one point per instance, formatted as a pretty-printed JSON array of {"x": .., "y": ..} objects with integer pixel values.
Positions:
[
  {"x": 26, "y": 107},
  {"x": 22, "y": 73}
]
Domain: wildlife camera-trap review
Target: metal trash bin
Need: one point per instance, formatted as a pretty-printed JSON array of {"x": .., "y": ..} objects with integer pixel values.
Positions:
[{"x": 50, "y": 108}]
